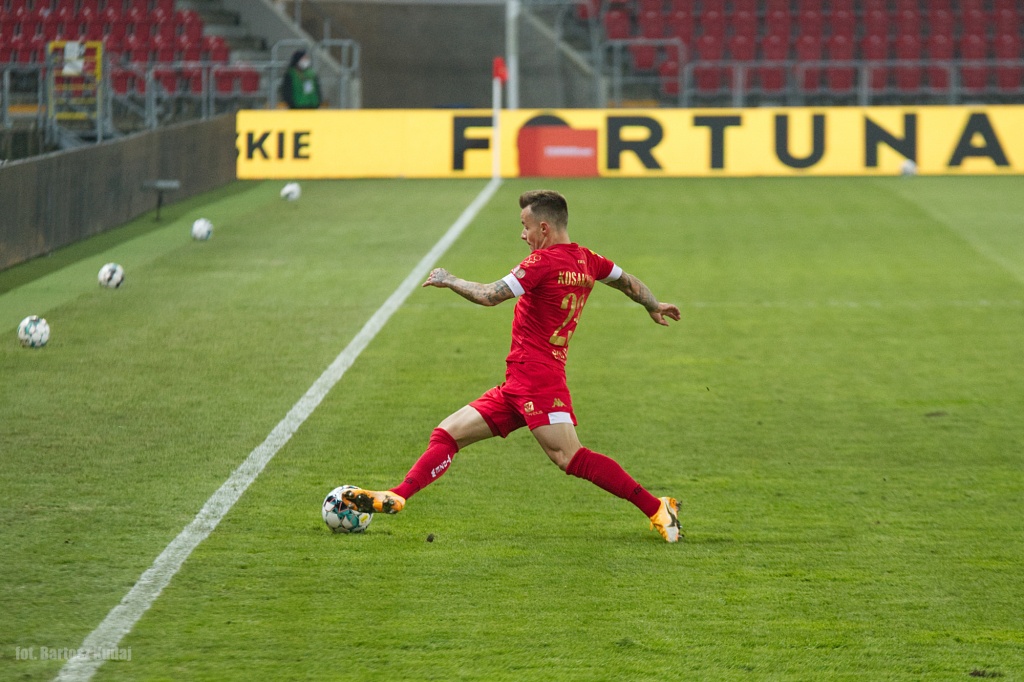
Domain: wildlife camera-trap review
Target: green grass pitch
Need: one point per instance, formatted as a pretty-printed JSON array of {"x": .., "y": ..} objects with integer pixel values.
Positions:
[{"x": 840, "y": 411}]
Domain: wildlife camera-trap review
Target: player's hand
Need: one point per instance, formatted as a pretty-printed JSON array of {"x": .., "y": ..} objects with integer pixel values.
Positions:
[
  {"x": 438, "y": 277},
  {"x": 665, "y": 310}
]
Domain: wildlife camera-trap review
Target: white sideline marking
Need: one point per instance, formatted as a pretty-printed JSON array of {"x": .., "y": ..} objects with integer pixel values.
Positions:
[{"x": 123, "y": 617}]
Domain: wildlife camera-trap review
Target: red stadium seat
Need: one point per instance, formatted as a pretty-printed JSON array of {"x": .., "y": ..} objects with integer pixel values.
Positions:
[
  {"x": 809, "y": 49},
  {"x": 1008, "y": 76},
  {"x": 773, "y": 77},
  {"x": 877, "y": 23},
  {"x": 839, "y": 77},
  {"x": 750, "y": 6},
  {"x": 651, "y": 6},
  {"x": 167, "y": 79},
  {"x": 712, "y": 48},
  {"x": 712, "y": 6},
  {"x": 742, "y": 48},
  {"x": 874, "y": 6},
  {"x": 843, "y": 22},
  {"x": 973, "y": 76},
  {"x": 809, "y": 23},
  {"x": 842, "y": 6},
  {"x": 681, "y": 25},
  {"x": 669, "y": 77},
  {"x": 968, "y": 5},
  {"x": 974, "y": 21},
  {"x": 644, "y": 57},
  {"x": 216, "y": 49},
  {"x": 588, "y": 9},
  {"x": 904, "y": 5},
  {"x": 941, "y": 22},
  {"x": 810, "y": 6},
  {"x": 940, "y": 49},
  {"x": 122, "y": 81},
  {"x": 713, "y": 23},
  {"x": 776, "y": 6},
  {"x": 617, "y": 24},
  {"x": 651, "y": 24},
  {"x": 908, "y": 22},
  {"x": 1006, "y": 22},
  {"x": 999, "y": 5},
  {"x": 777, "y": 23},
  {"x": 744, "y": 24},
  {"x": 875, "y": 48},
  {"x": 248, "y": 80},
  {"x": 908, "y": 76}
]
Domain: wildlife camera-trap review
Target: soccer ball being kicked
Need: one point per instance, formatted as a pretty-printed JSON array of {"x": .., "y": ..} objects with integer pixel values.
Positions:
[
  {"x": 111, "y": 275},
  {"x": 33, "y": 332},
  {"x": 341, "y": 518},
  {"x": 292, "y": 191},
  {"x": 202, "y": 229}
]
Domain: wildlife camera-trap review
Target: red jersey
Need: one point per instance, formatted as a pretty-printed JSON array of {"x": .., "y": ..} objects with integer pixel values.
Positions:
[{"x": 552, "y": 286}]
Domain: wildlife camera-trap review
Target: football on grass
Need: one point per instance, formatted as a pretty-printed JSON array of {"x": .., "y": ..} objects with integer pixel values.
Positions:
[
  {"x": 33, "y": 332},
  {"x": 341, "y": 518},
  {"x": 202, "y": 229},
  {"x": 111, "y": 275},
  {"x": 291, "y": 191}
]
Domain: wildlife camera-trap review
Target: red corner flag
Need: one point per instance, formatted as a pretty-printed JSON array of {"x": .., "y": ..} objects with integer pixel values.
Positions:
[{"x": 498, "y": 70}]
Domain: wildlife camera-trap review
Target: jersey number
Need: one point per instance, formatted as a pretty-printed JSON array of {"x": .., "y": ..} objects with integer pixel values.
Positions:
[{"x": 574, "y": 304}]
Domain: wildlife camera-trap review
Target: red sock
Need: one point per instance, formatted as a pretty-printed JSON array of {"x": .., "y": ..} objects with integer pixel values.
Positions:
[
  {"x": 605, "y": 473},
  {"x": 431, "y": 464}
]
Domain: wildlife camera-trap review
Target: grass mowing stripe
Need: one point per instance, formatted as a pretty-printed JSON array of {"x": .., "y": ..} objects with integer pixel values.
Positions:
[{"x": 122, "y": 618}]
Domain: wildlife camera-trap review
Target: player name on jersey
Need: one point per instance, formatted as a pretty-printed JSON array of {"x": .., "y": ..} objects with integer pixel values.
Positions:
[{"x": 570, "y": 278}]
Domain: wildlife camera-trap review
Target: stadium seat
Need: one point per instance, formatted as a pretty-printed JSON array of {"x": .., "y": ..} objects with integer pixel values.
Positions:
[
  {"x": 1008, "y": 76},
  {"x": 617, "y": 24},
  {"x": 876, "y": 48},
  {"x": 90, "y": 8},
  {"x": 968, "y": 5},
  {"x": 651, "y": 24},
  {"x": 776, "y": 6},
  {"x": 681, "y": 25},
  {"x": 744, "y": 24},
  {"x": 974, "y": 21},
  {"x": 643, "y": 56},
  {"x": 941, "y": 22},
  {"x": 588, "y": 9},
  {"x": 908, "y": 76},
  {"x": 164, "y": 49},
  {"x": 51, "y": 27},
  {"x": 911, "y": 5},
  {"x": 809, "y": 23},
  {"x": 668, "y": 72},
  {"x": 1006, "y": 22},
  {"x": 974, "y": 77},
  {"x": 839, "y": 77},
  {"x": 712, "y": 23},
  {"x": 908, "y": 22},
  {"x": 868, "y": 6},
  {"x": 91, "y": 29},
  {"x": 710, "y": 47},
  {"x": 189, "y": 51},
  {"x": 742, "y": 48},
  {"x": 712, "y": 6},
  {"x": 999, "y": 5},
  {"x": 248, "y": 80},
  {"x": 650, "y": 6},
  {"x": 773, "y": 76},
  {"x": 167, "y": 79},
  {"x": 843, "y": 22},
  {"x": 215, "y": 49},
  {"x": 166, "y": 6},
  {"x": 876, "y": 23},
  {"x": 750, "y": 6},
  {"x": 841, "y": 6},
  {"x": 817, "y": 6},
  {"x": 777, "y": 23},
  {"x": 122, "y": 81},
  {"x": 809, "y": 49},
  {"x": 940, "y": 49}
]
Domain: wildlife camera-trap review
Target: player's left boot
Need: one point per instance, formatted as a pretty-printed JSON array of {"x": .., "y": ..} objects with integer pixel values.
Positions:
[
  {"x": 666, "y": 520},
  {"x": 373, "y": 501}
]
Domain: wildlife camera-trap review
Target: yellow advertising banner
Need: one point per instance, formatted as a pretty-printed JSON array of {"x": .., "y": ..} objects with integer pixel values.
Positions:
[{"x": 397, "y": 143}]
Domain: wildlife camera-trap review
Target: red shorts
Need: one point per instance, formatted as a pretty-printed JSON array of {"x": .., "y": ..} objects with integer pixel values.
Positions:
[{"x": 533, "y": 395}]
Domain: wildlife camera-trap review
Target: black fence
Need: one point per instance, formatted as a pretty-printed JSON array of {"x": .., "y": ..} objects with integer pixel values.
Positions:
[{"x": 54, "y": 200}]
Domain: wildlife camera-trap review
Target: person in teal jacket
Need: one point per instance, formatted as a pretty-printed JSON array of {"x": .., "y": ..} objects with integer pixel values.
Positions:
[{"x": 300, "y": 88}]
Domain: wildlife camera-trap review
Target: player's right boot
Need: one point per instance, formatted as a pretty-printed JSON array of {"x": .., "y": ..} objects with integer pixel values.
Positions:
[
  {"x": 666, "y": 520},
  {"x": 372, "y": 501}
]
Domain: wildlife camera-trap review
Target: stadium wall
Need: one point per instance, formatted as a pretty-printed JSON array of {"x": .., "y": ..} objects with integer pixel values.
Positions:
[
  {"x": 55, "y": 200},
  {"x": 632, "y": 142}
]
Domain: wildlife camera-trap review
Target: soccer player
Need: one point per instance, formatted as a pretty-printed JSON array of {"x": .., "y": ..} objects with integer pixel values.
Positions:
[{"x": 552, "y": 285}]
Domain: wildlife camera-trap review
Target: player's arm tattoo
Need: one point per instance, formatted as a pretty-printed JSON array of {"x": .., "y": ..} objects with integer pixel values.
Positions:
[
  {"x": 636, "y": 290},
  {"x": 482, "y": 294}
]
